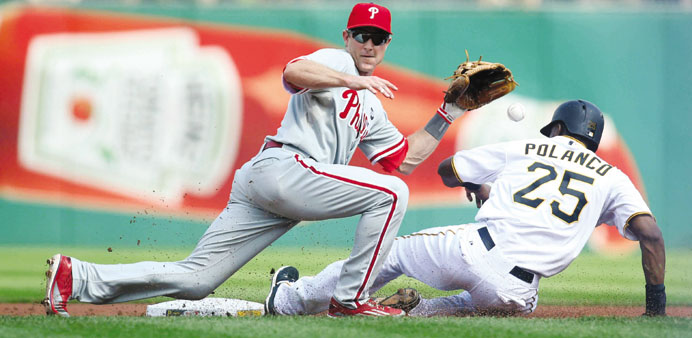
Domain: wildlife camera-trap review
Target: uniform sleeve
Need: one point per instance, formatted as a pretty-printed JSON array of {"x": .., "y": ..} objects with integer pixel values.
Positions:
[
  {"x": 480, "y": 165},
  {"x": 333, "y": 58},
  {"x": 624, "y": 202},
  {"x": 384, "y": 144}
]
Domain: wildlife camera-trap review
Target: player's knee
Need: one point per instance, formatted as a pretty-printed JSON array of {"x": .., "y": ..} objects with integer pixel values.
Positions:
[
  {"x": 399, "y": 190},
  {"x": 195, "y": 290},
  {"x": 193, "y": 286}
]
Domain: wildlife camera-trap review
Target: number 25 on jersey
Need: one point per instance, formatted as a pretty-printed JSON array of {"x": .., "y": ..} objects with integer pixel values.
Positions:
[{"x": 569, "y": 218}]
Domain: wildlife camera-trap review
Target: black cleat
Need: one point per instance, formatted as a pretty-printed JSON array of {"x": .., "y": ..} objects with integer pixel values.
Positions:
[{"x": 285, "y": 274}]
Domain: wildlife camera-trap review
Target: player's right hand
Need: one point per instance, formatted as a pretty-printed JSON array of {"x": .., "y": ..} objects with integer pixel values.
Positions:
[
  {"x": 372, "y": 83},
  {"x": 481, "y": 194}
]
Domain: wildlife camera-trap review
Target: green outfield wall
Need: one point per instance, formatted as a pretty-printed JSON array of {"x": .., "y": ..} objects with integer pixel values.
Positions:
[
  {"x": 43, "y": 225},
  {"x": 635, "y": 65}
]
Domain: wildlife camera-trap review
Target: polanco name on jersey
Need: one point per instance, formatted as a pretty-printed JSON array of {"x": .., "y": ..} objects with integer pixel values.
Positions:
[{"x": 582, "y": 158}]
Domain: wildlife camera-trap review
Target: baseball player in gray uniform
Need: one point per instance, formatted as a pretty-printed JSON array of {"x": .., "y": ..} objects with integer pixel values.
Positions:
[
  {"x": 544, "y": 200},
  {"x": 301, "y": 173}
]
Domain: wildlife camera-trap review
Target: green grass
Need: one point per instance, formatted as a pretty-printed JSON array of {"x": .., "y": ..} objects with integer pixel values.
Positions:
[
  {"x": 594, "y": 279},
  {"x": 38, "y": 326},
  {"x": 591, "y": 279}
]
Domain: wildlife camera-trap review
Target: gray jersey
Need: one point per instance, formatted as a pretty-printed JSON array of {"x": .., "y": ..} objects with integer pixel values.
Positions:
[
  {"x": 329, "y": 124},
  {"x": 305, "y": 179}
]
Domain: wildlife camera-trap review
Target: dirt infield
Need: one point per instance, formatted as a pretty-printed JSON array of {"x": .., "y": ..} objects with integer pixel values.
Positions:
[{"x": 545, "y": 311}]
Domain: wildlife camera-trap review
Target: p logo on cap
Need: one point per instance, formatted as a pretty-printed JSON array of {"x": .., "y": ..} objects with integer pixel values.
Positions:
[
  {"x": 374, "y": 10},
  {"x": 372, "y": 15}
]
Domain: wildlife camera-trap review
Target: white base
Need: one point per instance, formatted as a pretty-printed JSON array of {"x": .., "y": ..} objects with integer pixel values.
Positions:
[{"x": 221, "y": 307}]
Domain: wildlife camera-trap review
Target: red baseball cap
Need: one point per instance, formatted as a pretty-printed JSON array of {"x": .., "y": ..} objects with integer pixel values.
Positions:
[{"x": 370, "y": 15}]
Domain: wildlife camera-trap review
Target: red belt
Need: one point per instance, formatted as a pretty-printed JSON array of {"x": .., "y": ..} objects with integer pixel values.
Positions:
[{"x": 272, "y": 144}]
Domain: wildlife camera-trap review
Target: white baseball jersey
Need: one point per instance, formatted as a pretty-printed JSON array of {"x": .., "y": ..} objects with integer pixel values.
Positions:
[
  {"x": 547, "y": 197},
  {"x": 329, "y": 124}
]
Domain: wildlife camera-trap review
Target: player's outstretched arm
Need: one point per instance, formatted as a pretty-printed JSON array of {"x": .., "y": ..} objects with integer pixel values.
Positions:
[
  {"x": 653, "y": 262},
  {"x": 314, "y": 75},
  {"x": 420, "y": 145},
  {"x": 424, "y": 141}
]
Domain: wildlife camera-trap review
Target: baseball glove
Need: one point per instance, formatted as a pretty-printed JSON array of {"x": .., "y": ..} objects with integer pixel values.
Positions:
[
  {"x": 477, "y": 83},
  {"x": 404, "y": 299}
]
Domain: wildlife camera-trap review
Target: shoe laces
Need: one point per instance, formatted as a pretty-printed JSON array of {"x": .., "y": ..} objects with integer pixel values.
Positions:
[{"x": 374, "y": 304}]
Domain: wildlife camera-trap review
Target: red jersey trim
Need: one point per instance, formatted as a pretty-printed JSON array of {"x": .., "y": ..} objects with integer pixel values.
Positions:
[{"x": 392, "y": 157}]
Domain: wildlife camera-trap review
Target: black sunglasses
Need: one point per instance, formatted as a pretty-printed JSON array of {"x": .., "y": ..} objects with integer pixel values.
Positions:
[{"x": 362, "y": 37}]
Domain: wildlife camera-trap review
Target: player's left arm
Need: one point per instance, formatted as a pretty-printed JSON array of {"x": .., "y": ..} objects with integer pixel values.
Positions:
[
  {"x": 653, "y": 262},
  {"x": 423, "y": 142},
  {"x": 420, "y": 145}
]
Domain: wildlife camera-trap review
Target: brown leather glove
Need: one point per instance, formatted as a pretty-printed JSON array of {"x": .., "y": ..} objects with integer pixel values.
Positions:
[{"x": 477, "y": 83}]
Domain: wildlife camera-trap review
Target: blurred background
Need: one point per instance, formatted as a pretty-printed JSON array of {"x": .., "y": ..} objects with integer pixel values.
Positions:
[
  {"x": 121, "y": 122},
  {"x": 533, "y": 4}
]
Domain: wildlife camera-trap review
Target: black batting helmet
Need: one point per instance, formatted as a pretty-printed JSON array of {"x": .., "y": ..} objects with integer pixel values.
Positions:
[{"x": 581, "y": 118}]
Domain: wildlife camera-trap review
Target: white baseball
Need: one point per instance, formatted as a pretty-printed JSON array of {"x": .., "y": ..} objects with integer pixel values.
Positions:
[{"x": 516, "y": 111}]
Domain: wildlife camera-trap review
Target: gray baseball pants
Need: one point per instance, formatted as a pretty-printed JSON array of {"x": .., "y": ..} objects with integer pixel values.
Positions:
[{"x": 271, "y": 193}]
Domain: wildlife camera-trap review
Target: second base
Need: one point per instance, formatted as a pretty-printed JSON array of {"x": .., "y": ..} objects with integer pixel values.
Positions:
[{"x": 222, "y": 307}]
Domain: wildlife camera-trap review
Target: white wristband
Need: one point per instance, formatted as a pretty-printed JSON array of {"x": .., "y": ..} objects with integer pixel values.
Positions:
[{"x": 450, "y": 111}]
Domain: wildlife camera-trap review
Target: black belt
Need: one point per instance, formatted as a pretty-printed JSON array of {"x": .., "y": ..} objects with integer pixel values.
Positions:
[{"x": 516, "y": 271}]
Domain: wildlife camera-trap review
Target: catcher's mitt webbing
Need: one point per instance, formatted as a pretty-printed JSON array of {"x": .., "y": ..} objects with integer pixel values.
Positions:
[{"x": 477, "y": 83}]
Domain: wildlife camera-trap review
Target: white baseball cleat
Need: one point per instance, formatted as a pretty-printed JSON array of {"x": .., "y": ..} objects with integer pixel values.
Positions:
[{"x": 58, "y": 285}]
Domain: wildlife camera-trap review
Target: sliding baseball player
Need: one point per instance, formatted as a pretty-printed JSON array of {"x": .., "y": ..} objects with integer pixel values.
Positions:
[{"x": 547, "y": 197}]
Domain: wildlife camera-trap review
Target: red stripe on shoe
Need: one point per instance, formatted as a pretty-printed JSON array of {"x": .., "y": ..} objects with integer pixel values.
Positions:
[
  {"x": 61, "y": 279},
  {"x": 64, "y": 277},
  {"x": 386, "y": 223},
  {"x": 54, "y": 275}
]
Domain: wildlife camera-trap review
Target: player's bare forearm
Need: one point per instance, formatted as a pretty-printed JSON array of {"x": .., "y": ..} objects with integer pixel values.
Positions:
[
  {"x": 420, "y": 145},
  {"x": 652, "y": 246},
  {"x": 424, "y": 141},
  {"x": 314, "y": 75},
  {"x": 653, "y": 262}
]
